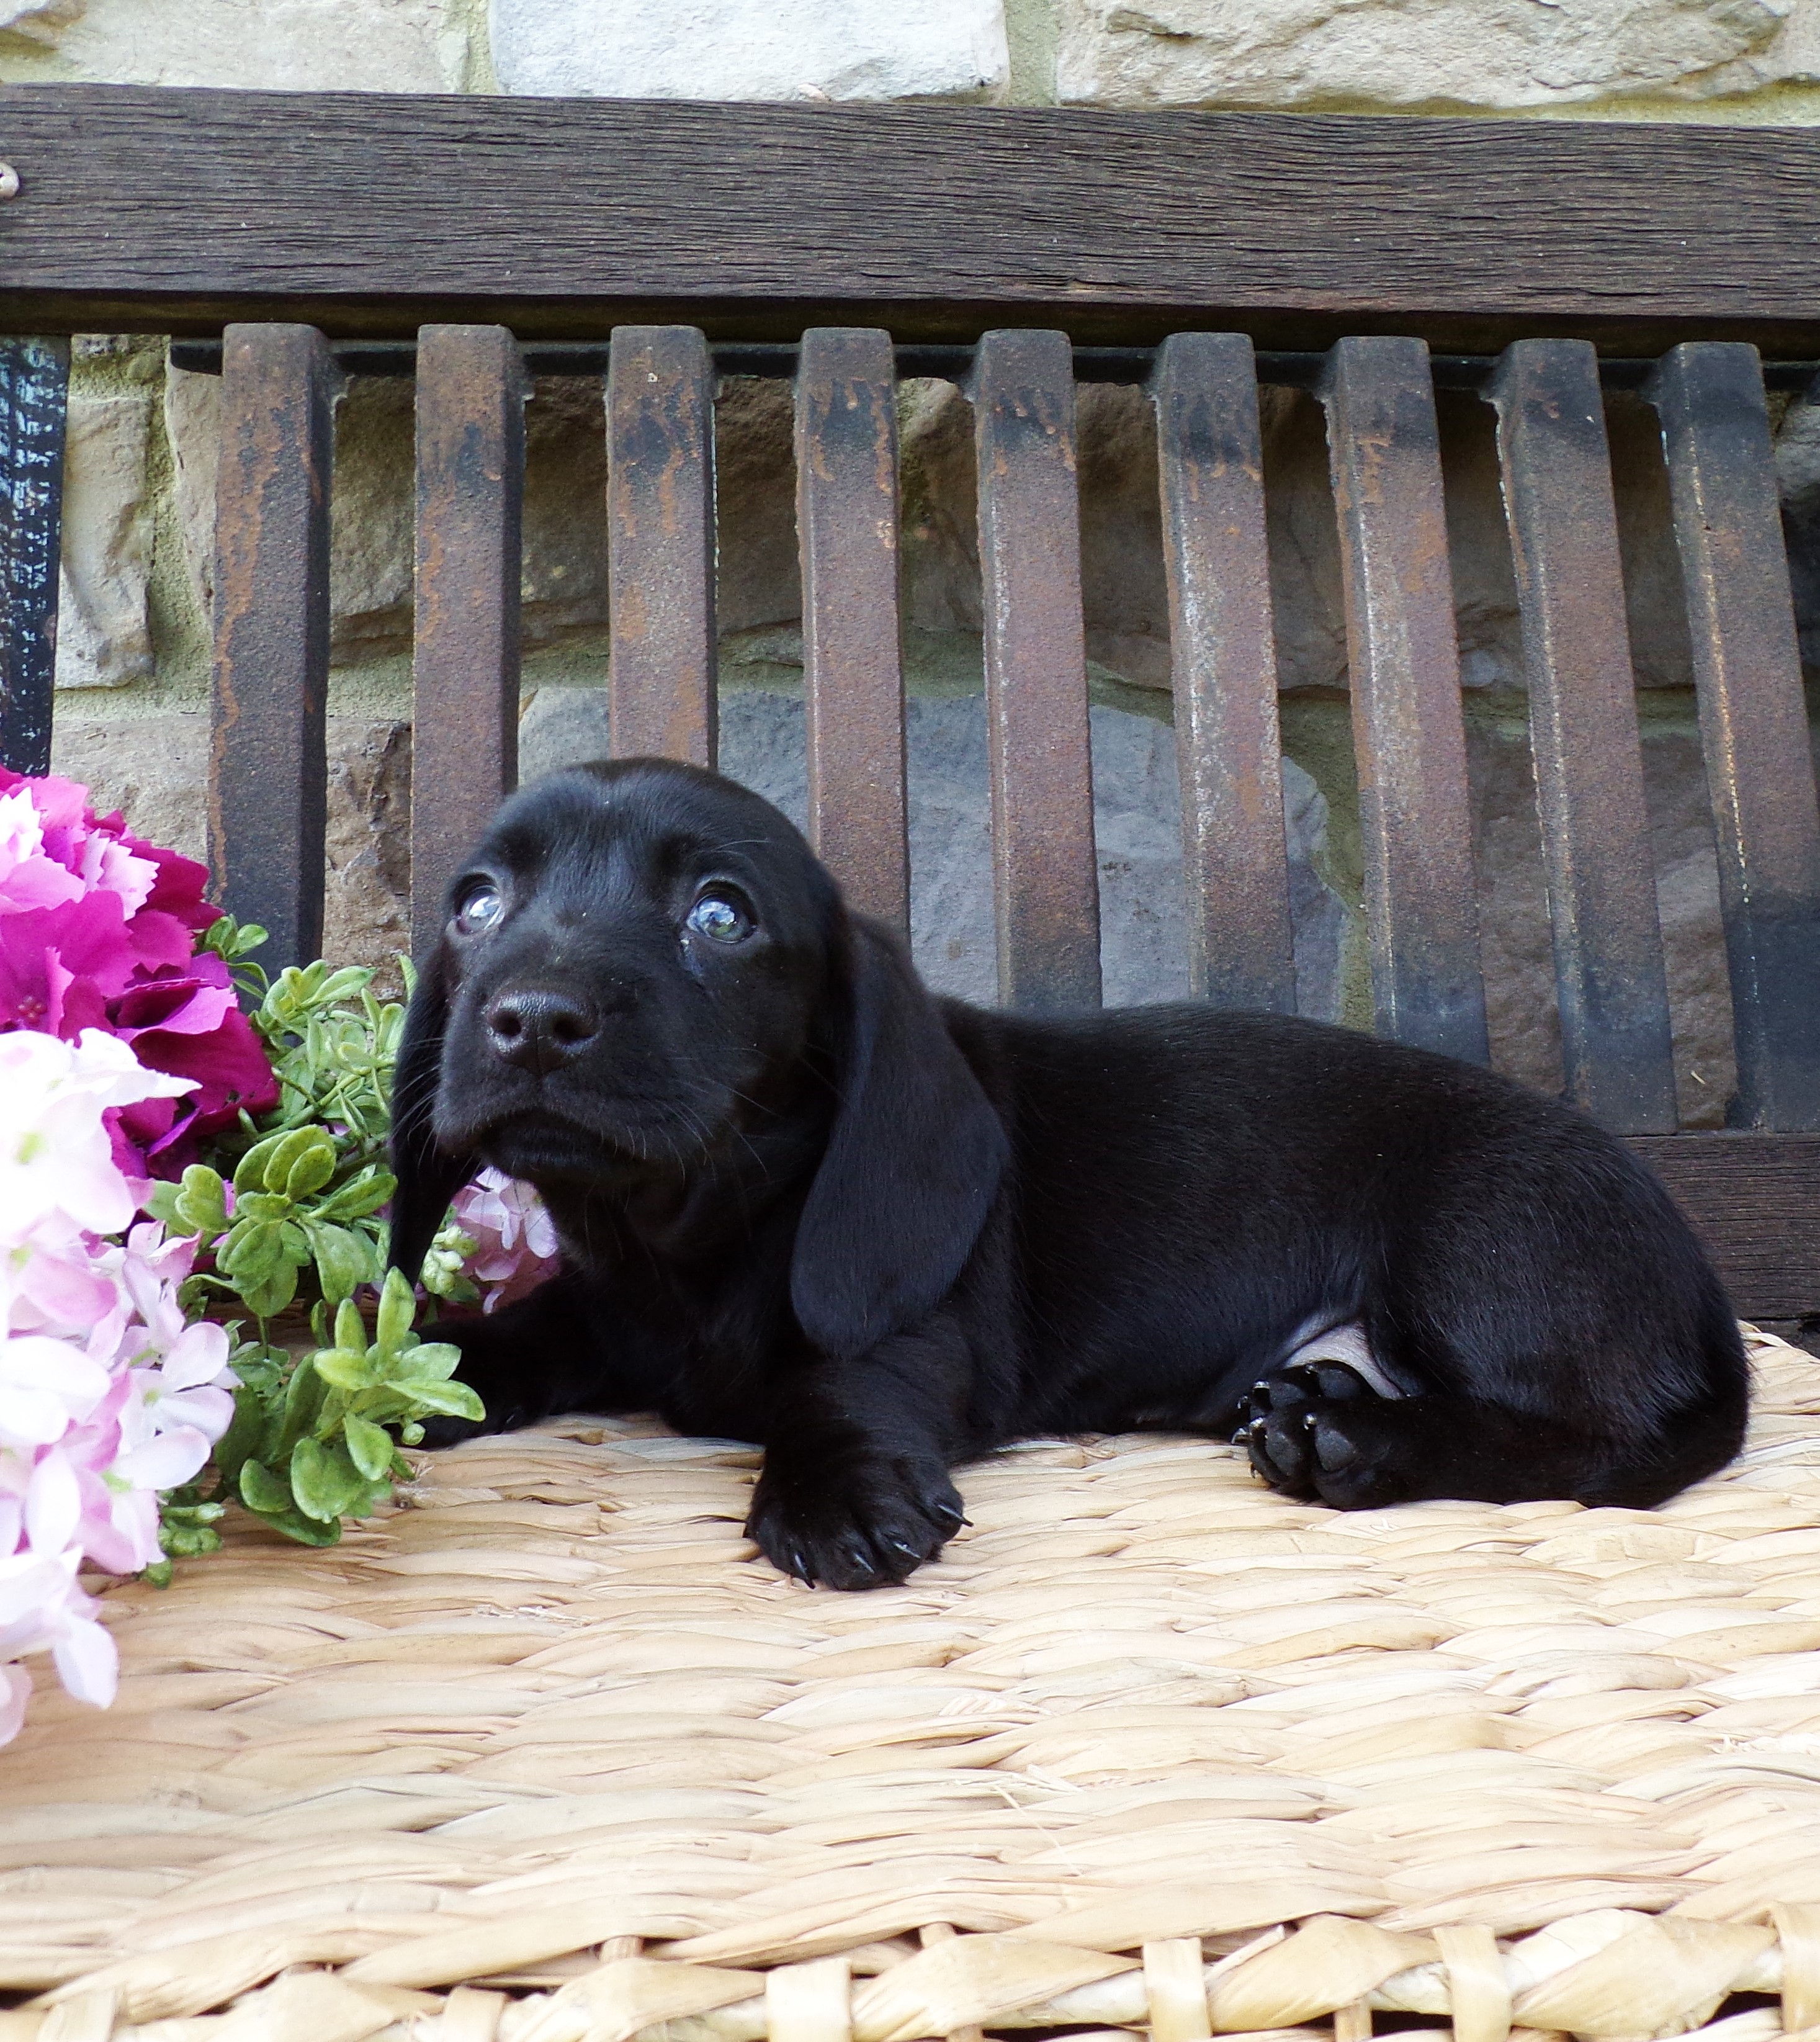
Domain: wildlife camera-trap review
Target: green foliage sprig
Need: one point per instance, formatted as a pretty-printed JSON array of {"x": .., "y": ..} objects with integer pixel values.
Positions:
[
  {"x": 309, "y": 1444},
  {"x": 300, "y": 1223}
]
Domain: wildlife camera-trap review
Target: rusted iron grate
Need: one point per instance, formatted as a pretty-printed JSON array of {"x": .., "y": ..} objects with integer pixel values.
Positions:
[{"x": 266, "y": 804}]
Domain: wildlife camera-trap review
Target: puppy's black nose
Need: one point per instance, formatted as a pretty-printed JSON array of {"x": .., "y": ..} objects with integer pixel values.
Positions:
[{"x": 539, "y": 1030}]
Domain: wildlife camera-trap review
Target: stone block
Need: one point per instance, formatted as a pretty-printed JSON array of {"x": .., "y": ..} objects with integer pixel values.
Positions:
[
  {"x": 1364, "y": 54},
  {"x": 289, "y": 45},
  {"x": 104, "y": 632},
  {"x": 752, "y": 49},
  {"x": 156, "y": 770}
]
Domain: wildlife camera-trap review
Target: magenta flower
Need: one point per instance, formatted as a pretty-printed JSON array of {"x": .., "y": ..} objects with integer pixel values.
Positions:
[{"x": 97, "y": 930}]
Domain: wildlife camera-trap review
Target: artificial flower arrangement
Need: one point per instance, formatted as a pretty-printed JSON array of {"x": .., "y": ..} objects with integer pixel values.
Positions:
[{"x": 193, "y": 1200}]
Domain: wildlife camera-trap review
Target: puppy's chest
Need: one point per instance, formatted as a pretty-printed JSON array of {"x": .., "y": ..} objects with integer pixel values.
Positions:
[{"x": 708, "y": 1356}]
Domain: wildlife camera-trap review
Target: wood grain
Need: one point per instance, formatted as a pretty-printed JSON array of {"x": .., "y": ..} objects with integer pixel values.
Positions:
[
  {"x": 1754, "y": 1200},
  {"x": 366, "y": 212}
]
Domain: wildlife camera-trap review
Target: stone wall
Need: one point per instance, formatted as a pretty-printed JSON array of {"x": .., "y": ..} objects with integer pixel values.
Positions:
[{"x": 133, "y": 656}]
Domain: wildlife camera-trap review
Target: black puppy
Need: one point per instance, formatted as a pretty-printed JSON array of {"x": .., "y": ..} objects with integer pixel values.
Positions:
[{"x": 803, "y": 1203}]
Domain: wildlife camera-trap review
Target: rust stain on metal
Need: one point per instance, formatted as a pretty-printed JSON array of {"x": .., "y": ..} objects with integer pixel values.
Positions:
[
  {"x": 1408, "y": 735},
  {"x": 1613, "y": 994},
  {"x": 1754, "y": 725},
  {"x": 471, "y": 393},
  {"x": 1045, "y": 873},
  {"x": 268, "y": 765},
  {"x": 660, "y": 543},
  {"x": 846, "y": 523},
  {"x": 1223, "y": 665}
]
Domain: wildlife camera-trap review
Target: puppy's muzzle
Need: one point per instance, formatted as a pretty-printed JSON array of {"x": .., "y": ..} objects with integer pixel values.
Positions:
[{"x": 539, "y": 1030}]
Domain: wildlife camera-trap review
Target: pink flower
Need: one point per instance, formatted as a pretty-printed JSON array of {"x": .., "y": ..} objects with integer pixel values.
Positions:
[
  {"x": 515, "y": 1245},
  {"x": 97, "y": 930}
]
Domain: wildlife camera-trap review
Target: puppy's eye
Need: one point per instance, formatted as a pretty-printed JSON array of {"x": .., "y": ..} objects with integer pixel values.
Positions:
[
  {"x": 480, "y": 909},
  {"x": 721, "y": 916}
]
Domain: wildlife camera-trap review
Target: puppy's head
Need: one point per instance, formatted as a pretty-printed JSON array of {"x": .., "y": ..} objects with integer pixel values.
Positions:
[{"x": 644, "y": 968}]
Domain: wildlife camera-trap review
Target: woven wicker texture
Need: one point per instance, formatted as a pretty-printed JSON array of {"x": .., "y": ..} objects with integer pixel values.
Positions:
[{"x": 549, "y": 1755}]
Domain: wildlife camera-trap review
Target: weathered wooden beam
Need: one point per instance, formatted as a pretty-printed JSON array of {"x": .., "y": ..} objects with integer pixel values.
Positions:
[{"x": 373, "y": 213}]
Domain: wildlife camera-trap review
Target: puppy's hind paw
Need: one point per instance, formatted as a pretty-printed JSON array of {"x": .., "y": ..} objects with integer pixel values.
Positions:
[
  {"x": 868, "y": 1524},
  {"x": 1309, "y": 1436}
]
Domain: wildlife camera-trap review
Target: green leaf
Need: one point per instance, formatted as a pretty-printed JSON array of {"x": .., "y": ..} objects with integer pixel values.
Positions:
[
  {"x": 262, "y": 1491},
  {"x": 324, "y": 1480},
  {"x": 370, "y": 1446},
  {"x": 347, "y": 1368},
  {"x": 452, "y": 1400},
  {"x": 250, "y": 1172},
  {"x": 306, "y": 1531},
  {"x": 302, "y": 1402},
  {"x": 361, "y": 1197},
  {"x": 397, "y": 1308},
  {"x": 343, "y": 1260},
  {"x": 431, "y": 1361},
  {"x": 253, "y": 1249}
]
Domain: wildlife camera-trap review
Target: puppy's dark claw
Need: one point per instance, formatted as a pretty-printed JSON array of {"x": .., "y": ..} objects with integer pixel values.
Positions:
[{"x": 868, "y": 1520}]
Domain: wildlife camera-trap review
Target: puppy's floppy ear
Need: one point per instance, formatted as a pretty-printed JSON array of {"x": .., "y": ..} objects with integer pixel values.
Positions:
[
  {"x": 912, "y": 1167},
  {"x": 428, "y": 1178}
]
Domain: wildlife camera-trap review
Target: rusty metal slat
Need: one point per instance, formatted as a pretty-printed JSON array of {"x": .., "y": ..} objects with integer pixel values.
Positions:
[
  {"x": 34, "y": 400},
  {"x": 1045, "y": 880},
  {"x": 660, "y": 544},
  {"x": 1613, "y": 992},
  {"x": 853, "y": 671},
  {"x": 1747, "y": 673},
  {"x": 268, "y": 764},
  {"x": 471, "y": 392},
  {"x": 1416, "y": 824},
  {"x": 1241, "y": 949}
]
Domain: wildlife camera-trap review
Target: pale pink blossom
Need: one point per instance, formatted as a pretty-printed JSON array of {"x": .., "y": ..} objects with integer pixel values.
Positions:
[
  {"x": 515, "y": 1245},
  {"x": 107, "y": 1396}
]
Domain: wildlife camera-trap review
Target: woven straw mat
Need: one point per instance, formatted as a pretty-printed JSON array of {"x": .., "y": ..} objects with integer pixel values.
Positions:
[{"x": 548, "y": 1754}]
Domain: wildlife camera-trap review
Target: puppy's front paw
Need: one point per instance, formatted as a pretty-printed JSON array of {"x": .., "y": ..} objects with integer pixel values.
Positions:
[
  {"x": 1314, "y": 1435},
  {"x": 866, "y": 1523}
]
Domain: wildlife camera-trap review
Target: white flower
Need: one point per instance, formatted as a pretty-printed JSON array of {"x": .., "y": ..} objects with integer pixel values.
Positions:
[
  {"x": 41, "y": 1607},
  {"x": 58, "y": 1177}
]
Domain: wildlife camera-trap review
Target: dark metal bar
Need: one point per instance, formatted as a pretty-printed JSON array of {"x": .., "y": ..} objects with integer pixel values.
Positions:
[
  {"x": 1613, "y": 993},
  {"x": 34, "y": 399},
  {"x": 268, "y": 764},
  {"x": 853, "y": 670},
  {"x": 1229, "y": 752},
  {"x": 953, "y": 361},
  {"x": 1046, "y": 878},
  {"x": 471, "y": 392},
  {"x": 1754, "y": 725},
  {"x": 660, "y": 544},
  {"x": 1415, "y": 822}
]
